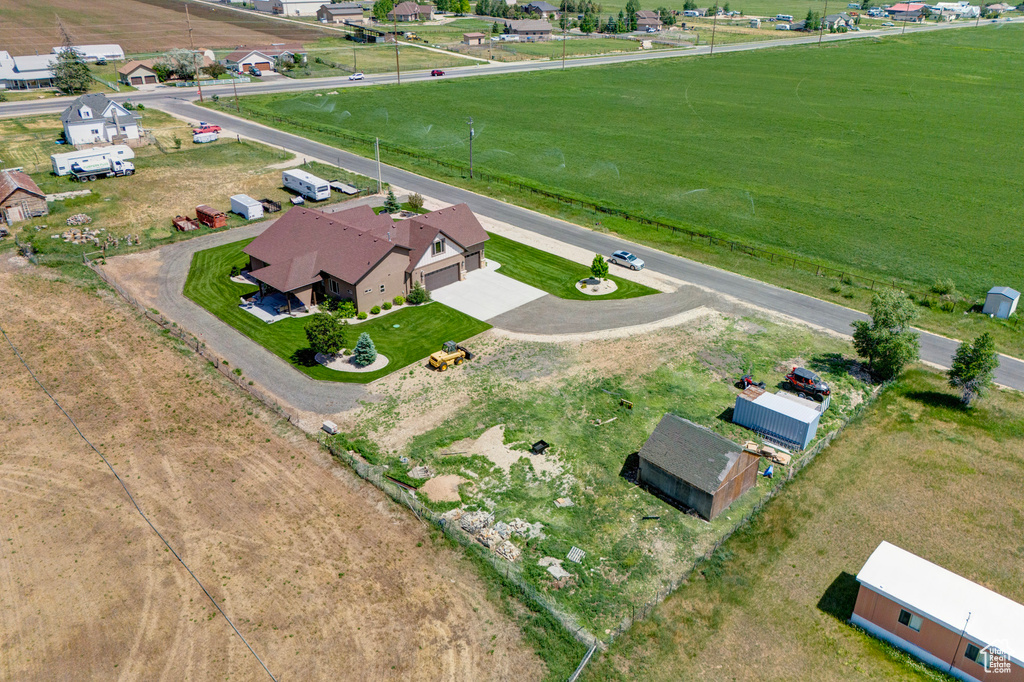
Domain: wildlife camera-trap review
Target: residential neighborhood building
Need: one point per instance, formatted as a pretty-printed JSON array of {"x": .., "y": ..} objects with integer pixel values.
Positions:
[
  {"x": 137, "y": 73},
  {"x": 93, "y": 119},
  {"x": 962, "y": 9},
  {"x": 473, "y": 38},
  {"x": 544, "y": 10},
  {"x": 695, "y": 467},
  {"x": 528, "y": 29},
  {"x": 411, "y": 11},
  {"x": 998, "y": 8},
  {"x": 263, "y": 58},
  {"x": 647, "y": 18},
  {"x": 360, "y": 256},
  {"x": 29, "y": 72},
  {"x": 290, "y": 8},
  {"x": 93, "y": 53},
  {"x": 20, "y": 197},
  {"x": 906, "y": 11},
  {"x": 945, "y": 620},
  {"x": 837, "y": 21},
  {"x": 340, "y": 13}
]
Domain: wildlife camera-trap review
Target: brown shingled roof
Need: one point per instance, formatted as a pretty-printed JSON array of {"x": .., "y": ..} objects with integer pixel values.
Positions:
[{"x": 10, "y": 181}]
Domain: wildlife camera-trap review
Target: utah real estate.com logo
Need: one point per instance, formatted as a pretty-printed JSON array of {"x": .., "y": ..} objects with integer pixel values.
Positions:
[{"x": 995, "y": 659}]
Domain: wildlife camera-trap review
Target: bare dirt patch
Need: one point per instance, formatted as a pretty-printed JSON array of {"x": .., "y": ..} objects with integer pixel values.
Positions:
[
  {"x": 324, "y": 576},
  {"x": 443, "y": 488}
]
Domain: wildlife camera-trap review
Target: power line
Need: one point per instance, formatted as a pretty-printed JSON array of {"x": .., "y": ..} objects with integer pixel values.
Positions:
[{"x": 136, "y": 504}]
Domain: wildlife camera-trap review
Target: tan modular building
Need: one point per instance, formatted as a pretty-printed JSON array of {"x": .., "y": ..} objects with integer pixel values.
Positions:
[
  {"x": 20, "y": 197},
  {"x": 473, "y": 38},
  {"x": 340, "y": 13},
  {"x": 947, "y": 621},
  {"x": 529, "y": 29},
  {"x": 360, "y": 256},
  {"x": 137, "y": 73},
  {"x": 695, "y": 467}
]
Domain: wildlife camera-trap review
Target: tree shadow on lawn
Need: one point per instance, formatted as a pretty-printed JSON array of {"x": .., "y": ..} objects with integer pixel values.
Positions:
[
  {"x": 304, "y": 357},
  {"x": 937, "y": 399},
  {"x": 840, "y": 597}
]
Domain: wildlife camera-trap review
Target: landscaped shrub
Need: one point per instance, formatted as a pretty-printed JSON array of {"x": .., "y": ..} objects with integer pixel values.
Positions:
[
  {"x": 346, "y": 309},
  {"x": 386, "y": 305},
  {"x": 328, "y": 305},
  {"x": 365, "y": 352},
  {"x": 418, "y": 294},
  {"x": 362, "y": 315},
  {"x": 375, "y": 310},
  {"x": 399, "y": 300},
  {"x": 236, "y": 271},
  {"x": 416, "y": 202},
  {"x": 326, "y": 335}
]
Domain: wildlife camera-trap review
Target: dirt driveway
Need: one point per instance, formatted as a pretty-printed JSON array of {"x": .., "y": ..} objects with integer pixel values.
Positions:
[{"x": 323, "y": 575}]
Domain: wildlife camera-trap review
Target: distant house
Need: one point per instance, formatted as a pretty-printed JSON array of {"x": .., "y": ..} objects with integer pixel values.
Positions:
[
  {"x": 528, "y": 29},
  {"x": 360, "y": 256},
  {"x": 837, "y": 21},
  {"x": 796, "y": 26},
  {"x": 473, "y": 38},
  {"x": 26, "y": 73},
  {"x": 695, "y": 467},
  {"x": 340, "y": 13},
  {"x": 998, "y": 8},
  {"x": 93, "y": 119},
  {"x": 411, "y": 11},
  {"x": 137, "y": 73},
  {"x": 906, "y": 11},
  {"x": 646, "y": 19},
  {"x": 92, "y": 53},
  {"x": 963, "y": 9},
  {"x": 289, "y": 8},
  {"x": 20, "y": 197},
  {"x": 542, "y": 9},
  {"x": 945, "y": 620},
  {"x": 263, "y": 58},
  {"x": 1001, "y": 302}
]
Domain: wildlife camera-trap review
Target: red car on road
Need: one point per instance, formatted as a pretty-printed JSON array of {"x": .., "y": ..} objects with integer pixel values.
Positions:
[{"x": 437, "y": 72}]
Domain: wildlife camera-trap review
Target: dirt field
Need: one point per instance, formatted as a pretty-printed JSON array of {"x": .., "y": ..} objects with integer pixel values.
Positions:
[
  {"x": 324, "y": 576},
  {"x": 139, "y": 26}
]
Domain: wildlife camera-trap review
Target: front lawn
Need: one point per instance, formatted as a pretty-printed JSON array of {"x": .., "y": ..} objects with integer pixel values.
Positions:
[
  {"x": 551, "y": 273},
  {"x": 421, "y": 330}
]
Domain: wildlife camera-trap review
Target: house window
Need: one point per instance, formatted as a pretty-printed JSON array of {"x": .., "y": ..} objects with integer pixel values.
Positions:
[
  {"x": 438, "y": 247},
  {"x": 975, "y": 654},
  {"x": 382, "y": 288},
  {"x": 368, "y": 291},
  {"x": 335, "y": 289},
  {"x": 911, "y": 620}
]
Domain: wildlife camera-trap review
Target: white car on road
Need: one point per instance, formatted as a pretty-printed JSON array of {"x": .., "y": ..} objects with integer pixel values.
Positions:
[
  {"x": 627, "y": 260},
  {"x": 356, "y": 77}
]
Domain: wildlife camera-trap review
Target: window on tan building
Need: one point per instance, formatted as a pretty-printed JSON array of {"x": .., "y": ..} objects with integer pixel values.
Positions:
[
  {"x": 335, "y": 289},
  {"x": 911, "y": 620},
  {"x": 382, "y": 288}
]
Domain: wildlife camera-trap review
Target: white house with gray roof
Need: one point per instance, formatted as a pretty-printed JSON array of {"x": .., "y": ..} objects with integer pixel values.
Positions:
[
  {"x": 27, "y": 72},
  {"x": 94, "y": 119}
]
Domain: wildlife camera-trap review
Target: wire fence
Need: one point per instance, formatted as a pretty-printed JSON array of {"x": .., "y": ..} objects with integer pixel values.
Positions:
[{"x": 696, "y": 236}]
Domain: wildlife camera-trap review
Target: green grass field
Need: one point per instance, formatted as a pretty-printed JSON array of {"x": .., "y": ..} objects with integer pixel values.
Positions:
[
  {"x": 422, "y": 328},
  {"x": 822, "y": 155},
  {"x": 551, "y": 273},
  {"x": 348, "y": 57},
  {"x": 916, "y": 470}
]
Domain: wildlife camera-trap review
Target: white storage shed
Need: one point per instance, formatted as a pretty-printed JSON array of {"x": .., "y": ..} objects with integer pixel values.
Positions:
[
  {"x": 246, "y": 206},
  {"x": 781, "y": 420},
  {"x": 1001, "y": 302}
]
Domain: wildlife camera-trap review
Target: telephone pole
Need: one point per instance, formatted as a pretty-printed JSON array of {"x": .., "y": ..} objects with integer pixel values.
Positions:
[
  {"x": 398, "y": 67},
  {"x": 376, "y": 149},
  {"x": 195, "y": 62},
  {"x": 563, "y": 40},
  {"x": 472, "y": 133},
  {"x": 821, "y": 26},
  {"x": 714, "y": 23}
]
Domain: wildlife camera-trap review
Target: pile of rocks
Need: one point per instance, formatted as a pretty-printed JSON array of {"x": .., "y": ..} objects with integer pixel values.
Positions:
[
  {"x": 77, "y": 236},
  {"x": 495, "y": 536},
  {"x": 78, "y": 219}
]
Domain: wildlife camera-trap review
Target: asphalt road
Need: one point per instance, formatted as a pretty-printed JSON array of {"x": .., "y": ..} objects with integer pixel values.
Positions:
[
  {"x": 934, "y": 349},
  {"x": 281, "y": 84}
]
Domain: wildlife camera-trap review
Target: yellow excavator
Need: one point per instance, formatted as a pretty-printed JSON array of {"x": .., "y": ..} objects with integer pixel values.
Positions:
[{"x": 450, "y": 354}]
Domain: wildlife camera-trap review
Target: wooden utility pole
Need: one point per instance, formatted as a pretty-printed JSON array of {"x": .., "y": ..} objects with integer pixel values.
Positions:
[
  {"x": 195, "y": 62},
  {"x": 821, "y": 26},
  {"x": 563, "y": 40},
  {"x": 472, "y": 133},
  {"x": 714, "y": 23},
  {"x": 376, "y": 149},
  {"x": 398, "y": 67}
]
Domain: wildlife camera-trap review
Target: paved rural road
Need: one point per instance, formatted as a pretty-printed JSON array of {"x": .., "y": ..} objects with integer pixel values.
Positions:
[
  {"x": 282, "y": 84},
  {"x": 591, "y": 315}
]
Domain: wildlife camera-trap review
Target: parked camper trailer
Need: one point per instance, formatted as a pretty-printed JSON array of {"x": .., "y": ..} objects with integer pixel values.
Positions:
[
  {"x": 246, "y": 206},
  {"x": 306, "y": 184},
  {"x": 117, "y": 152}
]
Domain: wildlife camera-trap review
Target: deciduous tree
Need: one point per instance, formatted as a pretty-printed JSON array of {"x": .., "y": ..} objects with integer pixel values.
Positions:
[
  {"x": 888, "y": 341},
  {"x": 325, "y": 333},
  {"x": 599, "y": 267},
  {"x": 973, "y": 368},
  {"x": 70, "y": 73}
]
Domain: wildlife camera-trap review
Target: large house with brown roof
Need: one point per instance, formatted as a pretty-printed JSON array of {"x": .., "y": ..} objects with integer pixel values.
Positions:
[
  {"x": 367, "y": 258},
  {"x": 20, "y": 197},
  {"x": 411, "y": 11},
  {"x": 529, "y": 29},
  {"x": 137, "y": 73},
  {"x": 263, "y": 58}
]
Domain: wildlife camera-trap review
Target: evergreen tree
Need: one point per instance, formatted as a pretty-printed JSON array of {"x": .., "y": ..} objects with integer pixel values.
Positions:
[
  {"x": 70, "y": 73},
  {"x": 391, "y": 203},
  {"x": 974, "y": 367},
  {"x": 599, "y": 267},
  {"x": 365, "y": 352}
]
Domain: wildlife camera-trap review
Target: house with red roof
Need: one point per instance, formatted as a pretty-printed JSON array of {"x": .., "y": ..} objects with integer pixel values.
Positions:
[
  {"x": 906, "y": 11},
  {"x": 363, "y": 257}
]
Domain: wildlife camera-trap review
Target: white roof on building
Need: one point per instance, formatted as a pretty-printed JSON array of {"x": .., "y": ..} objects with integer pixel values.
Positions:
[
  {"x": 946, "y": 598},
  {"x": 1005, "y": 291},
  {"x": 305, "y": 177},
  {"x": 245, "y": 199},
  {"x": 777, "y": 403},
  {"x": 109, "y": 51},
  {"x": 33, "y": 62}
]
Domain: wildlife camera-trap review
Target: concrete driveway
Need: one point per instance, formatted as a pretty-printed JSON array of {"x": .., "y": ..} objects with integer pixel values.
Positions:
[{"x": 486, "y": 293}]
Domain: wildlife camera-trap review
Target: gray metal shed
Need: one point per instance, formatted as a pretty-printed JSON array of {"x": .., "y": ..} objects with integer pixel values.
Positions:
[
  {"x": 778, "y": 419},
  {"x": 1001, "y": 302}
]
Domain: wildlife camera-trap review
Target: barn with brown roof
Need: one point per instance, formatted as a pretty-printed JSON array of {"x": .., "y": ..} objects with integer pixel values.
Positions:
[
  {"x": 20, "y": 197},
  {"x": 367, "y": 258}
]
